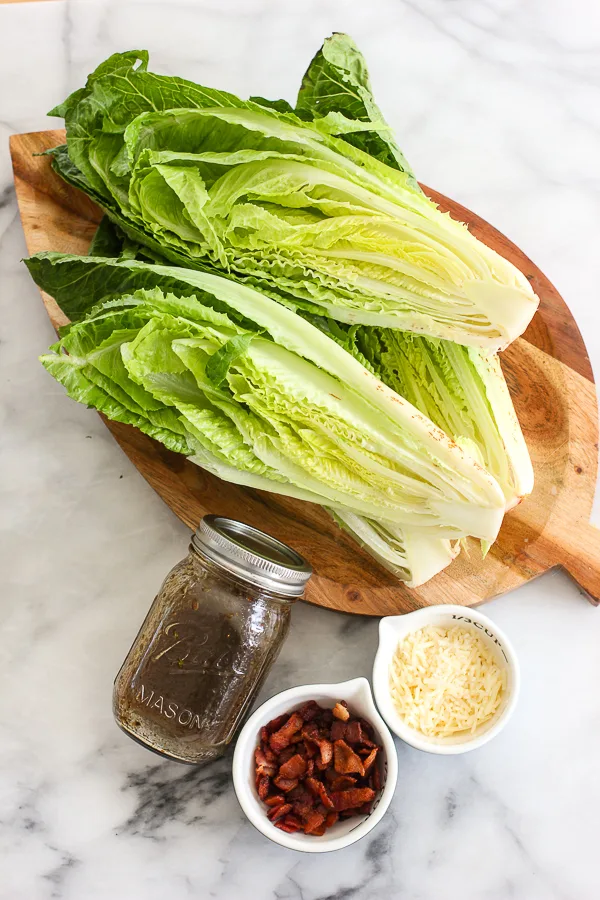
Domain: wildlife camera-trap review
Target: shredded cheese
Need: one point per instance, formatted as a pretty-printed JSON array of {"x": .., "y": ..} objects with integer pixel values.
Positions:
[{"x": 446, "y": 681}]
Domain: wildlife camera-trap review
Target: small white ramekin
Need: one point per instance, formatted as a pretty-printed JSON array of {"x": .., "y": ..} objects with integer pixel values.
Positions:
[
  {"x": 393, "y": 628},
  {"x": 357, "y": 693}
]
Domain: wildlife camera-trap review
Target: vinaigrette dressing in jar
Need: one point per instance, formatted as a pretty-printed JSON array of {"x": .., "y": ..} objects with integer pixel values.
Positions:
[{"x": 211, "y": 635}]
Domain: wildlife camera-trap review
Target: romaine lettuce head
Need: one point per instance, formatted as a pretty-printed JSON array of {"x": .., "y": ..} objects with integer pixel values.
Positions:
[
  {"x": 294, "y": 207},
  {"x": 461, "y": 389},
  {"x": 244, "y": 383}
]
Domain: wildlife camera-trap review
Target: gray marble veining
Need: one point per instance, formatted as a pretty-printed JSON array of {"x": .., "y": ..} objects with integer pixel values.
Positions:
[{"x": 496, "y": 103}]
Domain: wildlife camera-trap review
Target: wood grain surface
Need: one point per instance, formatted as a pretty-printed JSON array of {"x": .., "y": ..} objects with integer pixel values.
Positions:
[{"x": 548, "y": 373}]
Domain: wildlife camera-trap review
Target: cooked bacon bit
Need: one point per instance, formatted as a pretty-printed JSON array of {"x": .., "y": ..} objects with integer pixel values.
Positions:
[
  {"x": 275, "y": 724},
  {"x": 282, "y": 738},
  {"x": 285, "y": 755},
  {"x": 368, "y": 762},
  {"x": 310, "y": 731},
  {"x": 325, "y": 796},
  {"x": 313, "y": 821},
  {"x": 263, "y": 787},
  {"x": 326, "y": 751},
  {"x": 284, "y": 826},
  {"x": 342, "y": 783},
  {"x": 354, "y": 733},
  {"x": 302, "y": 810},
  {"x": 291, "y": 819},
  {"x": 331, "y": 818},
  {"x": 285, "y": 784},
  {"x": 338, "y": 731},
  {"x": 263, "y": 766},
  {"x": 340, "y": 712},
  {"x": 259, "y": 757},
  {"x": 309, "y": 711},
  {"x": 303, "y": 765},
  {"x": 276, "y": 812},
  {"x": 346, "y": 760},
  {"x": 297, "y": 792},
  {"x": 351, "y": 798},
  {"x": 295, "y": 767},
  {"x": 313, "y": 786},
  {"x": 319, "y": 790},
  {"x": 292, "y": 823},
  {"x": 304, "y": 806},
  {"x": 270, "y": 756},
  {"x": 311, "y": 748}
]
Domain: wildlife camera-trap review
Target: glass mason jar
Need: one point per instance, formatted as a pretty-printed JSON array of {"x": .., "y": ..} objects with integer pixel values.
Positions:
[{"x": 212, "y": 634}]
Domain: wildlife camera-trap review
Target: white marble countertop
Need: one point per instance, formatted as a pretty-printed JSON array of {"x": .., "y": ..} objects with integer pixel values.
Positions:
[{"x": 497, "y": 104}]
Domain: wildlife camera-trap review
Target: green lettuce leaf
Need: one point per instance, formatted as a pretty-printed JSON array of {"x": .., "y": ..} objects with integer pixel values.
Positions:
[
  {"x": 107, "y": 241},
  {"x": 81, "y": 384},
  {"x": 145, "y": 247},
  {"x": 337, "y": 83}
]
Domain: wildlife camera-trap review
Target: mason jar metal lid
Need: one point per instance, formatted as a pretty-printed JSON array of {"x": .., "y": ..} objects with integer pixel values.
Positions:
[{"x": 252, "y": 555}]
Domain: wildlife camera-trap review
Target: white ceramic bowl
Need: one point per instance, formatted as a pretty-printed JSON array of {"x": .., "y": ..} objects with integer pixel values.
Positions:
[
  {"x": 357, "y": 694},
  {"x": 393, "y": 628}
]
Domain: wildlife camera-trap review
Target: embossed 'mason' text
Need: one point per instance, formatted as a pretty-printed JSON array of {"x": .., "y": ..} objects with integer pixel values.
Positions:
[{"x": 167, "y": 708}]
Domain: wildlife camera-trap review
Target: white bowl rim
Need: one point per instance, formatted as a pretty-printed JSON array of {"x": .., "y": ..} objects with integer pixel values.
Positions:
[
  {"x": 418, "y": 619},
  {"x": 247, "y": 741}
]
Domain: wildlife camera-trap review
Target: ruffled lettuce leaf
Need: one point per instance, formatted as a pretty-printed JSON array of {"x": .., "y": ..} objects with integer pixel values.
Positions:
[{"x": 337, "y": 83}]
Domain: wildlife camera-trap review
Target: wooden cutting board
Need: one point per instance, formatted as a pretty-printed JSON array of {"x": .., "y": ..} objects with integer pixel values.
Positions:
[{"x": 548, "y": 373}]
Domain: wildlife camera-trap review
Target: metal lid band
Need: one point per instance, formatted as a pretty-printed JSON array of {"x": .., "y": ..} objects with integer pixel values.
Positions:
[{"x": 252, "y": 555}]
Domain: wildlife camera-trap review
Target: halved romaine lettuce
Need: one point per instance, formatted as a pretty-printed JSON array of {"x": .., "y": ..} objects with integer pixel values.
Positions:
[
  {"x": 461, "y": 389},
  {"x": 264, "y": 391},
  {"x": 285, "y": 205}
]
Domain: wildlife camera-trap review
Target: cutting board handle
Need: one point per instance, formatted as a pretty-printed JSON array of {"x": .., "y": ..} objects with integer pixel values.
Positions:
[{"x": 577, "y": 549}]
